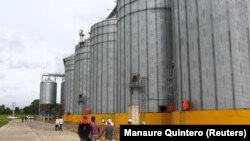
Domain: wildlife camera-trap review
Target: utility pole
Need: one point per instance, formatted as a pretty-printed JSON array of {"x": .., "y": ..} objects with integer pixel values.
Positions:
[{"x": 13, "y": 106}]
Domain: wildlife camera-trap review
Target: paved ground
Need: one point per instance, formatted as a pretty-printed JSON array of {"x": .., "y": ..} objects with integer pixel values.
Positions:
[{"x": 15, "y": 130}]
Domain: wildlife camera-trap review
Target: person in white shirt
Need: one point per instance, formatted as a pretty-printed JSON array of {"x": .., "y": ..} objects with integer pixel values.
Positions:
[
  {"x": 110, "y": 121},
  {"x": 60, "y": 124},
  {"x": 57, "y": 124}
]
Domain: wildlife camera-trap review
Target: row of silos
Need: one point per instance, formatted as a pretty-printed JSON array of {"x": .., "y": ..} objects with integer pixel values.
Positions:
[
  {"x": 94, "y": 71},
  {"x": 76, "y": 79},
  {"x": 211, "y": 42},
  {"x": 138, "y": 41},
  {"x": 195, "y": 50}
]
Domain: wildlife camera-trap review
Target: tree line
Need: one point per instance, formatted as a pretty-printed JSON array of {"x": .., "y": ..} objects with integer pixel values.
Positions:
[{"x": 33, "y": 108}]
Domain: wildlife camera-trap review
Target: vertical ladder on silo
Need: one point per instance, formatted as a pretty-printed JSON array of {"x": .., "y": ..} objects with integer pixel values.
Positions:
[
  {"x": 142, "y": 98},
  {"x": 170, "y": 87},
  {"x": 143, "y": 95}
]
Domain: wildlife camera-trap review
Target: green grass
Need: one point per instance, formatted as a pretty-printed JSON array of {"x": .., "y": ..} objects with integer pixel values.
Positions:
[{"x": 3, "y": 120}]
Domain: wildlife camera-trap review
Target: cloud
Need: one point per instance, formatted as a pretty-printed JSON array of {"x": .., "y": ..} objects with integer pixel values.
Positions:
[
  {"x": 2, "y": 75},
  {"x": 59, "y": 64},
  {"x": 8, "y": 91},
  {"x": 25, "y": 64},
  {"x": 2, "y": 61},
  {"x": 11, "y": 42},
  {"x": 33, "y": 37},
  {"x": 2, "y": 90}
]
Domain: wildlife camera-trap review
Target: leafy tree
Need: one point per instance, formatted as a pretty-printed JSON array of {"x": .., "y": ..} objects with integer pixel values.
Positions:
[
  {"x": 17, "y": 110},
  {"x": 2, "y": 107},
  {"x": 4, "y": 110},
  {"x": 7, "y": 111},
  {"x": 26, "y": 110},
  {"x": 32, "y": 108}
]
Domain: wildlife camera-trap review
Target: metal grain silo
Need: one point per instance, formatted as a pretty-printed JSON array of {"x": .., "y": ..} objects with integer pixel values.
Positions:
[
  {"x": 103, "y": 44},
  {"x": 48, "y": 92},
  {"x": 69, "y": 64},
  {"x": 144, "y": 49},
  {"x": 47, "y": 97},
  {"x": 81, "y": 87},
  {"x": 63, "y": 98},
  {"x": 211, "y": 41}
]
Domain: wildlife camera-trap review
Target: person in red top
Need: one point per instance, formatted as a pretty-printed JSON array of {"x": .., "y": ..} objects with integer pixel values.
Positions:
[
  {"x": 84, "y": 120},
  {"x": 84, "y": 129}
]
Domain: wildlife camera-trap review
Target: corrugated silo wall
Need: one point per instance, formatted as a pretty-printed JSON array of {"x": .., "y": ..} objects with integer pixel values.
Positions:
[
  {"x": 144, "y": 31},
  {"x": 103, "y": 44},
  {"x": 211, "y": 43},
  {"x": 48, "y": 89},
  {"x": 48, "y": 92},
  {"x": 81, "y": 87},
  {"x": 69, "y": 83},
  {"x": 41, "y": 93},
  {"x": 63, "y": 97}
]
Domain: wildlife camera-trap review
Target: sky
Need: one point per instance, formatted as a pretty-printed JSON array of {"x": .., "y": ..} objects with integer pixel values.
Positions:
[{"x": 35, "y": 36}]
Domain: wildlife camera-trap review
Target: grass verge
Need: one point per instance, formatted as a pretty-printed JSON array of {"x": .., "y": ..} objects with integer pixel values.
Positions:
[{"x": 3, "y": 120}]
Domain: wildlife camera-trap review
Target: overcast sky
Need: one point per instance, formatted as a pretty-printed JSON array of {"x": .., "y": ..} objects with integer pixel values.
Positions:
[{"x": 35, "y": 36}]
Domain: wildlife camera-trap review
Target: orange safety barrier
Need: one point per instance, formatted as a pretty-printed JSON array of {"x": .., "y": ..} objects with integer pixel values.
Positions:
[
  {"x": 185, "y": 105},
  {"x": 87, "y": 112},
  {"x": 170, "y": 108}
]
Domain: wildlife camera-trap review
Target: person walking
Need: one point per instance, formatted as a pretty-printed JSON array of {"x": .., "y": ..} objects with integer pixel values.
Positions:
[
  {"x": 94, "y": 129},
  {"x": 109, "y": 131},
  {"x": 130, "y": 122},
  {"x": 84, "y": 129},
  {"x": 110, "y": 121},
  {"x": 143, "y": 123},
  {"x": 60, "y": 123},
  {"x": 57, "y": 124}
]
